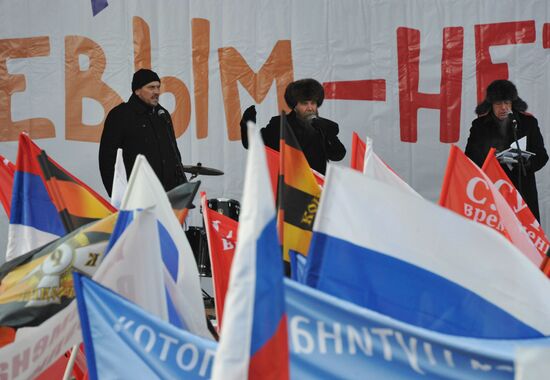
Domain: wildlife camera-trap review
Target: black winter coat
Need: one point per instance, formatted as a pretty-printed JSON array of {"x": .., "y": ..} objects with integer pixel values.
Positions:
[
  {"x": 318, "y": 140},
  {"x": 137, "y": 128},
  {"x": 484, "y": 135}
]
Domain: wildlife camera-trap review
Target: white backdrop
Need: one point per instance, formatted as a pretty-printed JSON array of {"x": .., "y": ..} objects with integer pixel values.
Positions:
[{"x": 73, "y": 67}]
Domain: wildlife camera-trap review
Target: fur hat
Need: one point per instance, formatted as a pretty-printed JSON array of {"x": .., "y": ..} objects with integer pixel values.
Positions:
[
  {"x": 143, "y": 77},
  {"x": 304, "y": 89},
  {"x": 500, "y": 90}
]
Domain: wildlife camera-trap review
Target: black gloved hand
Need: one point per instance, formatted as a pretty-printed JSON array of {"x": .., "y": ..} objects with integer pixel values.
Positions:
[
  {"x": 249, "y": 114},
  {"x": 328, "y": 127}
]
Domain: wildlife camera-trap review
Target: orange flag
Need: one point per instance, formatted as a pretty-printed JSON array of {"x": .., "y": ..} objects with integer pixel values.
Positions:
[{"x": 468, "y": 191}]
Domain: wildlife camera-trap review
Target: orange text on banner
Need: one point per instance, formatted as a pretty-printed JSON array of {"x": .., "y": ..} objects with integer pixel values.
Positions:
[
  {"x": 10, "y": 84},
  {"x": 233, "y": 69}
]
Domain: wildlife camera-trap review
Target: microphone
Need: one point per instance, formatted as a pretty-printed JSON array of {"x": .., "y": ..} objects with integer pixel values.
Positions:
[
  {"x": 311, "y": 117},
  {"x": 309, "y": 120},
  {"x": 512, "y": 117},
  {"x": 164, "y": 116}
]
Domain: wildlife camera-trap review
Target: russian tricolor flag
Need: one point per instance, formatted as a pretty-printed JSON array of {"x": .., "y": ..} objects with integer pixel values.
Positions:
[
  {"x": 419, "y": 263},
  {"x": 254, "y": 340}
]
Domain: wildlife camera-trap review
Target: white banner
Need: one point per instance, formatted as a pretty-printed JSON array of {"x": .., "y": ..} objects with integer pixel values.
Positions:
[{"x": 408, "y": 74}]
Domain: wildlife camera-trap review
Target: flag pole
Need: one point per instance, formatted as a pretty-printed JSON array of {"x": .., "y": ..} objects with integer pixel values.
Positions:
[{"x": 70, "y": 363}]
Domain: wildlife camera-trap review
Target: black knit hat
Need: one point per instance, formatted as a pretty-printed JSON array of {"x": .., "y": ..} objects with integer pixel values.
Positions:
[
  {"x": 302, "y": 90},
  {"x": 501, "y": 90},
  {"x": 143, "y": 77}
]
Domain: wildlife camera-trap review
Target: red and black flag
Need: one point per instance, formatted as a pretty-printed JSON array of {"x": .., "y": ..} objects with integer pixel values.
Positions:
[{"x": 298, "y": 195}]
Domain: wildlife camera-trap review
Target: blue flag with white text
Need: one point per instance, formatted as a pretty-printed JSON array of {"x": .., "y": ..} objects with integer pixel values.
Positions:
[
  {"x": 123, "y": 341},
  {"x": 332, "y": 338}
]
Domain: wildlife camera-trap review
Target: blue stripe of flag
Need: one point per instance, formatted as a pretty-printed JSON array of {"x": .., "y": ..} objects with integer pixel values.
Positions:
[
  {"x": 269, "y": 294},
  {"x": 32, "y": 206},
  {"x": 400, "y": 290}
]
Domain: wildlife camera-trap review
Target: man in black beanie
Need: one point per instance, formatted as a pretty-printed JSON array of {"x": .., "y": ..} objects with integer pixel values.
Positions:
[
  {"x": 499, "y": 115},
  {"x": 141, "y": 126},
  {"x": 317, "y": 136}
]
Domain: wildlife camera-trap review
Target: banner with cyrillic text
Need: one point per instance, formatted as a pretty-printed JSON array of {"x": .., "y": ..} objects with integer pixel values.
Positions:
[
  {"x": 123, "y": 340},
  {"x": 409, "y": 74},
  {"x": 331, "y": 338}
]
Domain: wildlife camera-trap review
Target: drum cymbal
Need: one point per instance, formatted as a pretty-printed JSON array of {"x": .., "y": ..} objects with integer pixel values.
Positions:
[{"x": 200, "y": 170}]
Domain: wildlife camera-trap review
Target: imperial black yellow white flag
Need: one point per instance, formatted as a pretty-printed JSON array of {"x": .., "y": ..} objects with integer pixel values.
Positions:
[{"x": 38, "y": 284}]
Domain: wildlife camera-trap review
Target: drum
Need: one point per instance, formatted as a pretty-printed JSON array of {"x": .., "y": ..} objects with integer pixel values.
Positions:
[
  {"x": 199, "y": 245},
  {"x": 227, "y": 207}
]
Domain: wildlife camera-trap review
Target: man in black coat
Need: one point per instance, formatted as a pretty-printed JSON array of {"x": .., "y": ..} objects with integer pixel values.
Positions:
[
  {"x": 141, "y": 126},
  {"x": 498, "y": 116},
  {"x": 317, "y": 136}
]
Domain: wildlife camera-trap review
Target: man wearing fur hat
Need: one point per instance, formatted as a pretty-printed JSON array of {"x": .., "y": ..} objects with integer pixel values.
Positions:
[
  {"x": 494, "y": 128},
  {"x": 141, "y": 126},
  {"x": 317, "y": 136}
]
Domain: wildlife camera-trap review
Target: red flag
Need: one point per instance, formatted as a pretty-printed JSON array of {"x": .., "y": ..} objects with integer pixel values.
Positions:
[
  {"x": 57, "y": 369},
  {"x": 358, "y": 149},
  {"x": 7, "y": 171},
  {"x": 494, "y": 171},
  {"x": 319, "y": 178},
  {"x": 80, "y": 368},
  {"x": 7, "y": 335},
  {"x": 273, "y": 165},
  {"x": 468, "y": 191},
  {"x": 221, "y": 232}
]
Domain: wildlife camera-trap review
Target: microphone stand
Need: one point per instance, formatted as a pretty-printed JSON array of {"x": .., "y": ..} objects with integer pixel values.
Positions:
[
  {"x": 180, "y": 173},
  {"x": 521, "y": 171}
]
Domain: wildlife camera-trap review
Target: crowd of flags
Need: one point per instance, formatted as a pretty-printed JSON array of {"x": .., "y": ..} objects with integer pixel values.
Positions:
[{"x": 382, "y": 281}]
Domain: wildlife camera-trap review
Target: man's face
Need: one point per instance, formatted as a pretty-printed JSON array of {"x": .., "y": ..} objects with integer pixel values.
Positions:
[
  {"x": 149, "y": 93},
  {"x": 306, "y": 108},
  {"x": 502, "y": 108}
]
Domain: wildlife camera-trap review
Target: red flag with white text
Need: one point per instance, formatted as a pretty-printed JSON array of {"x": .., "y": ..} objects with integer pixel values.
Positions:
[
  {"x": 221, "y": 232},
  {"x": 468, "y": 191},
  {"x": 494, "y": 171}
]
